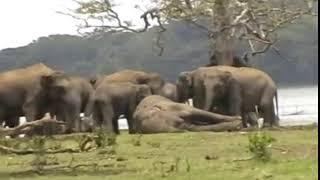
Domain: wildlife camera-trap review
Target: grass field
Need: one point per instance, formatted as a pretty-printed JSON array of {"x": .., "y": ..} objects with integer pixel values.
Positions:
[{"x": 194, "y": 156}]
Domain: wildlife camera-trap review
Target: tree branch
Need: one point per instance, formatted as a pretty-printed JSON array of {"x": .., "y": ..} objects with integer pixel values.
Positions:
[{"x": 44, "y": 126}]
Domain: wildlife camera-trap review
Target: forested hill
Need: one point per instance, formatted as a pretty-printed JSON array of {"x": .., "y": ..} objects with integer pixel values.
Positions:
[{"x": 185, "y": 49}]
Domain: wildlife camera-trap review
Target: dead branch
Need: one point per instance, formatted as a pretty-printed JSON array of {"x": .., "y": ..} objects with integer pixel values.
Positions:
[
  {"x": 9, "y": 150},
  {"x": 44, "y": 126},
  {"x": 243, "y": 159}
]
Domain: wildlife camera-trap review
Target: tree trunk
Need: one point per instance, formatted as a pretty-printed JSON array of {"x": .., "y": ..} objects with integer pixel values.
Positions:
[{"x": 223, "y": 45}]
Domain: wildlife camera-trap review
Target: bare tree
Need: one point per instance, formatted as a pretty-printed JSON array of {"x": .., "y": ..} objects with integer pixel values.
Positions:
[{"x": 226, "y": 22}]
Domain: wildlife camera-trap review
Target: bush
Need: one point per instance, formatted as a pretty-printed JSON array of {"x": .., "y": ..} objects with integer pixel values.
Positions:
[{"x": 259, "y": 146}]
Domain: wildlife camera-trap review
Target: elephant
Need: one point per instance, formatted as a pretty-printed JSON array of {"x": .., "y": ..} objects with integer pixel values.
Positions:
[
  {"x": 169, "y": 90},
  {"x": 234, "y": 90},
  {"x": 153, "y": 80},
  {"x": 236, "y": 61},
  {"x": 157, "y": 114},
  {"x": 17, "y": 87},
  {"x": 66, "y": 97},
  {"x": 110, "y": 100}
]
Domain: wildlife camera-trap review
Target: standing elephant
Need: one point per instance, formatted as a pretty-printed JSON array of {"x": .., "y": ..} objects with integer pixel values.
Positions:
[
  {"x": 111, "y": 100},
  {"x": 66, "y": 96},
  {"x": 157, "y": 114},
  {"x": 169, "y": 91},
  {"x": 234, "y": 90},
  {"x": 17, "y": 88},
  {"x": 153, "y": 80}
]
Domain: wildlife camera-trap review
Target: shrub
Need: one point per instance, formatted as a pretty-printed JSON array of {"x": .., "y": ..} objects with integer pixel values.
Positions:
[{"x": 260, "y": 145}]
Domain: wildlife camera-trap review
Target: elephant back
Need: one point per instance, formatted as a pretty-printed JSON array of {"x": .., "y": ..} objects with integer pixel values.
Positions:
[
  {"x": 23, "y": 77},
  {"x": 243, "y": 74},
  {"x": 124, "y": 76}
]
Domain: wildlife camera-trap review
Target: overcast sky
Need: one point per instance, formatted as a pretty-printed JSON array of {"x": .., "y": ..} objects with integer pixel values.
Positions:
[{"x": 25, "y": 20}]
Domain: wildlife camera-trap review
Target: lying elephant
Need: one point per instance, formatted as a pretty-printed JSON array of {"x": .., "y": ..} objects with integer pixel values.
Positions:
[
  {"x": 17, "y": 87},
  {"x": 110, "y": 100},
  {"x": 237, "y": 90},
  {"x": 66, "y": 97},
  {"x": 157, "y": 114}
]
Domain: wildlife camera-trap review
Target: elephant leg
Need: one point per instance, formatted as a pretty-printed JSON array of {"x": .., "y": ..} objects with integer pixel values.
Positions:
[
  {"x": 249, "y": 118},
  {"x": 108, "y": 115},
  {"x": 234, "y": 100},
  {"x": 268, "y": 115},
  {"x": 30, "y": 111},
  {"x": 67, "y": 118},
  {"x": 2, "y": 116},
  {"x": 252, "y": 118},
  {"x": 74, "y": 118},
  {"x": 97, "y": 118},
  {"x": 195, "y": 115},
  {"x": 131, "y": 125},
  {"x": 198, "y": 96},
  {"x": 12, "y": 121},
  {"x": 77, "y": 122},
  {"x": 268, "y": 111},
  {"x": 224, "y": 126},
  {"x": 115, "y": 124}
]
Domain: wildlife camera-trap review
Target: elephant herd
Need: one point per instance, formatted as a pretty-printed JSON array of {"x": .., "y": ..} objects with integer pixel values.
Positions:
[{"x": 223, "y": 98}]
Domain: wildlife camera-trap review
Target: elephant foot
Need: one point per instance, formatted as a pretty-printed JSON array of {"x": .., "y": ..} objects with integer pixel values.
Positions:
[{"x": 269, "y": 126}]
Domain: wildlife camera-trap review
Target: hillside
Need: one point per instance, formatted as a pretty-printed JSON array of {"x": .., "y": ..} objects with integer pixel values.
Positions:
[{"x": 185, "y": 49}]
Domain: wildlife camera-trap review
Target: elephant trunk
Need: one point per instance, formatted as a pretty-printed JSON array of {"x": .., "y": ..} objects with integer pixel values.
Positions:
[
  {"x": 88, "y": 110},
  {"x": 182, "y": 93}
]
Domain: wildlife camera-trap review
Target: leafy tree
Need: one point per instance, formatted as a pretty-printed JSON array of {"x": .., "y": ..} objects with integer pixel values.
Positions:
[{"x": 226, "y": 22}]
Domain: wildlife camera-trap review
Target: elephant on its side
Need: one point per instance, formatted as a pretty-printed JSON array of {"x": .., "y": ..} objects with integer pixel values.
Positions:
[
  {"x": 153, "y": 80},
  {"x": 66, "y": 96},
  {"x": 157, "y": 114},
  {"x": 169, "y": 90},
  {"x": 234, "y": 90},
  {"x": 110, "y": 100},
  {"x": 17, "y": 87}
]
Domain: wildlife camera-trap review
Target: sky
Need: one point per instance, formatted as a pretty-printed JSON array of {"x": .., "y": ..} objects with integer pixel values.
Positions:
[{"x": 25, "y": 20}]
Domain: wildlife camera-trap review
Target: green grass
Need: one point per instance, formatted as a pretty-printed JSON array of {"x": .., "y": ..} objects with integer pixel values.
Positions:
[{"x": 180, "y": 156}]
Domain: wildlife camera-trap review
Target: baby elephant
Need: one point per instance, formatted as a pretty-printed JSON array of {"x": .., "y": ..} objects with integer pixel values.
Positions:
[
  {"x": 110, "y": 100},
  {"x": 157, "y": 114}
]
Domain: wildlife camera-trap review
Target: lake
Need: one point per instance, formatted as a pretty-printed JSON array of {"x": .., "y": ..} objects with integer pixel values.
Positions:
[{"x": 297, "y": 106}]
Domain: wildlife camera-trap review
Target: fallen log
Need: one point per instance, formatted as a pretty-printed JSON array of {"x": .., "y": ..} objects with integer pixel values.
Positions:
[{"x": 44, "y": 126}]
